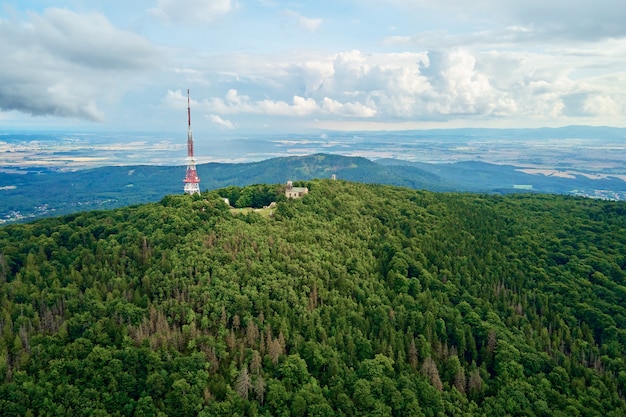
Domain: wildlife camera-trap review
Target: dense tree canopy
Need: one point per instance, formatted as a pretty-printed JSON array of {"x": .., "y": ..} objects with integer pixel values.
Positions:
[{"x": 354, "y": 300}]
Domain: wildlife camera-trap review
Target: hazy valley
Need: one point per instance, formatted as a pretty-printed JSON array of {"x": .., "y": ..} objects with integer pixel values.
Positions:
[{"x": 43, "y": 174}]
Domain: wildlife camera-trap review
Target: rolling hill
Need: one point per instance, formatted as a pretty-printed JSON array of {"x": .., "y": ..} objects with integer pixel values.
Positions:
[
  {"x": 356, "y": 300},
  {"x": 36, "y": 193}
]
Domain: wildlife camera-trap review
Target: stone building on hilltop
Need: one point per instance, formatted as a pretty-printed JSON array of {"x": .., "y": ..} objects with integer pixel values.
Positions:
[{"x": 295, "y": 192}]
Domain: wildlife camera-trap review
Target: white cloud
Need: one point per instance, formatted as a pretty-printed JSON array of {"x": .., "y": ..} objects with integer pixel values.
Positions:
[
  {"x": 601, "y": 105},
  {"x": 62, "y": 63},
  {"x": 221, "y": 123},
  {"x": 305, "y": 23},
  {"x": 405, "y": 87},
  {"x": 233, "y": 103},
  {"x": 554, "y": 20},
  {"x": 176, "y": 99},
  {"x": 552, "y": 62},
  {"x": 191, "y": 76},
  {"x": 350, "y": 109},
  {"x": 89, "y": 40},
  {"x": 191, "y": 11},
  {"x": 300, "y": 107}
]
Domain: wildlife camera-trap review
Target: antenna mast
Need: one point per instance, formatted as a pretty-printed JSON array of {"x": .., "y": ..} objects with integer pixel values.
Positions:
[{"x": 192, "y": 181}]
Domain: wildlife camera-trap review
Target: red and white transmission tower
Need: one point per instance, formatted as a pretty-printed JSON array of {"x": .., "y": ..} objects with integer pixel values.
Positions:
[{"x": 192, "y": 181}]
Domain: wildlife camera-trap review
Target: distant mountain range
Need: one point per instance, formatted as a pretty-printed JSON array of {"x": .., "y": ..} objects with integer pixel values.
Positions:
[{"x": 31, "y": 193}]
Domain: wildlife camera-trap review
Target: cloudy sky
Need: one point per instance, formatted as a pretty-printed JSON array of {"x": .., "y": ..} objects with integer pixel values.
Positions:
[{"x": 293, "y": 66}]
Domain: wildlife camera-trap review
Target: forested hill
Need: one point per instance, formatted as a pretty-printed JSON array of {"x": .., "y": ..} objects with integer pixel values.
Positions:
[
  {"x": 354, "y": 300},
  {"x": 31, "y": 193}
]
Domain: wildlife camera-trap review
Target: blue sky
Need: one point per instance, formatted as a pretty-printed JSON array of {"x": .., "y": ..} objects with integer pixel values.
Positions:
[{"x": 264, "y": 66}]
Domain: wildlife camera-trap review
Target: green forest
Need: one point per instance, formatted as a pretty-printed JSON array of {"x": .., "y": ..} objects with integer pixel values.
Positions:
[
  {"x": 356, "y": 300},
  {"x": 33, "y": 193}
]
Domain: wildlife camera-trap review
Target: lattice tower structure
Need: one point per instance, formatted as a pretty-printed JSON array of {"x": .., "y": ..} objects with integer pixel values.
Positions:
[{"x": 192, "y": 181}]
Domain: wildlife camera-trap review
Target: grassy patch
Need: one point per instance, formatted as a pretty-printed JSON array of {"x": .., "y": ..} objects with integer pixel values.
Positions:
[{"x": 265, "y": 212}]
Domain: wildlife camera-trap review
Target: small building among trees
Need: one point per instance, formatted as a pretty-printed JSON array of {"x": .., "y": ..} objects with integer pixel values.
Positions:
[{"x": 295, "y": 192}]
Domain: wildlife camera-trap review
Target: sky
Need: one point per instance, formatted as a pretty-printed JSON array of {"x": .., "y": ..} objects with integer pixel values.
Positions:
[{"x": 270, "y": 66}]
